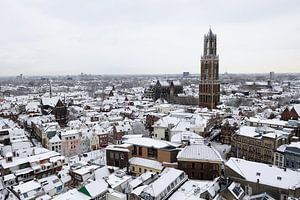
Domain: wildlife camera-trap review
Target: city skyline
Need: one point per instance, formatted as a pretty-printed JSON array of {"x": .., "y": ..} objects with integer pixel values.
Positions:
[{"x": 146, "y": 37}]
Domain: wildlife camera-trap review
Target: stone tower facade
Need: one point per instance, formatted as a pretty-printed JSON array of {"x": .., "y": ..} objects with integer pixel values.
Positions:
[{"x": 209, "y": 87}]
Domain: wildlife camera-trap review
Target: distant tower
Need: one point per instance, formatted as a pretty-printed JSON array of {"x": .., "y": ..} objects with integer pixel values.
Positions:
[
  {"x": 272, "y": 76},
  {"x": 209, "y": 87},
  {"x": 50, "y": 88}
]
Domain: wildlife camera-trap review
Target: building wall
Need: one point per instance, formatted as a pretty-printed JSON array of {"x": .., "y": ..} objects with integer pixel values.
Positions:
[
  {"x": 103, "y": 140},
  {"x": 162, "y": 154},
  {"x": 159, "y": 133},
  {"x": 279, "y": 159},
  {"x": 292, "y": 158},
  {"x": 226, "y": 133},
  {"x": 117, "y": 158},
  {"x": 200, "y": 170},
  {"x": 254, "y": 149},
  {"x": 70, "y": 146},
  {"x": 138, "y": 169},
  {"x": 289, "y": 114},
  {"x": 55, "y": 147}
]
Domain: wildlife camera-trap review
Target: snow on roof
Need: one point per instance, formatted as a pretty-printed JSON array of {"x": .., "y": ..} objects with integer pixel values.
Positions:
[
  {"x": 86, "y": 169},
  {"x": 132, "y": 136},
  {"x": 27, "y": 186},
  {"x": 148, "y": 142},
  {"x": 50, "y": 182},
  {"x": 50, "y": 101},
  {"x": 295, "y": 144},
  {"x": 72, "y": 195},
  {"x": 142, "y": 178},
  {"x": 267, "y": 174},
  {"x": 153, "y": 164},
  {"x": 116, "y": 148},
  {"x": 262, "y": 196},
  {"x": 32, "y": 106},
  {"x": 64, "y": 176},
  {"x": 165, "y": 121},
  {"x": 55, "y": 139},
  {"x": 9, "y": 177},
  {"x": 167, "y": 177},
  {"x": 259, "y": 132},
  {"x": 70, "y": 132},
  {"x": 137, "y": 191},
  {"x": 44, "y": 197},
  {"x": 281, "y": 148},
  {"x": 187, "y": 190},
  {"x": 177, "y": 83},
  {"x": 101, "y": 172},
  {"x": 95, "y": 188},
  {"x": 297, "y": 108},
  {"x": 114, "y": 181},
  {"x": 56, "y": 158},
  {"x": 267, "y": 121},
  {"x": 199, "y": 152},
  {"x": 18, "y": 161},
  {"x": 164, "y": 83},
  {"x": 185, "y": 136}
]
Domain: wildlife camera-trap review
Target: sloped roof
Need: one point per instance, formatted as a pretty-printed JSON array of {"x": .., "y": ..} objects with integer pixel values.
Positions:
[
  {"x": 94, "y": 188},
  {"x": 50, "y": 101},
  {"x": 199, "y": 152},
  {"x": 266, "y": 174}
]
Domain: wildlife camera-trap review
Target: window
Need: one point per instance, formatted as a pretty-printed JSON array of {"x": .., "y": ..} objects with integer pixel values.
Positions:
[
  {"x": 202, "y": 166},
  {"x": 59, "y": 188},
  {"x": 111, "y": 155},
  {"x": 145, "y": 170},
  {"x": 168, "y": 188},
  {"x": 201, "y": 175},
  {"x": 140, "y": 170},
  {"x": 237, "y": 191},
  {"x": 140, "y": 151},
  {"x": 132, "y": 168},
  {"x": 134, "y": 150},
  {"x": 122, "y": 156},
  {"x": 152, "y": 152}
]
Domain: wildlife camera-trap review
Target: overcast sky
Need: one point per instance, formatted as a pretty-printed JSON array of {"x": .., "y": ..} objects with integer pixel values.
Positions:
[{"x": 146, "y": 36}]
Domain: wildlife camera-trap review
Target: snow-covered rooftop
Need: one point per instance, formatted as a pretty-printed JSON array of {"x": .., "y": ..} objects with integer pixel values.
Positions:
[
  {"x": 149, "y": 142},
  {"x": 146, "y": 163},
  {"x": 199, "y": 152},
  {"x": 266, "y": 174}
]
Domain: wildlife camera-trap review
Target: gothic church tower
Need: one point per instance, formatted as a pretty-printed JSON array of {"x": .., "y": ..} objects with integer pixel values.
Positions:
[{"x": 209, "y": 87}]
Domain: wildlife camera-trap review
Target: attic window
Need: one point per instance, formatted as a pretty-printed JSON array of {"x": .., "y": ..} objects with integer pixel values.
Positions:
[
  {"x": 237, "y": 191},
  {"x": 279, "y": 178},
  {"x": 257, "y": 173}
]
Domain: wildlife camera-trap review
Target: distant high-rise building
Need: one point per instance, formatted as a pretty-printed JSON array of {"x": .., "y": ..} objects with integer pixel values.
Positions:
[
  {"x": 209, "y": 87},
  {"x": 272, "y": 76},
  {"x": 185, "y": 74}
]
